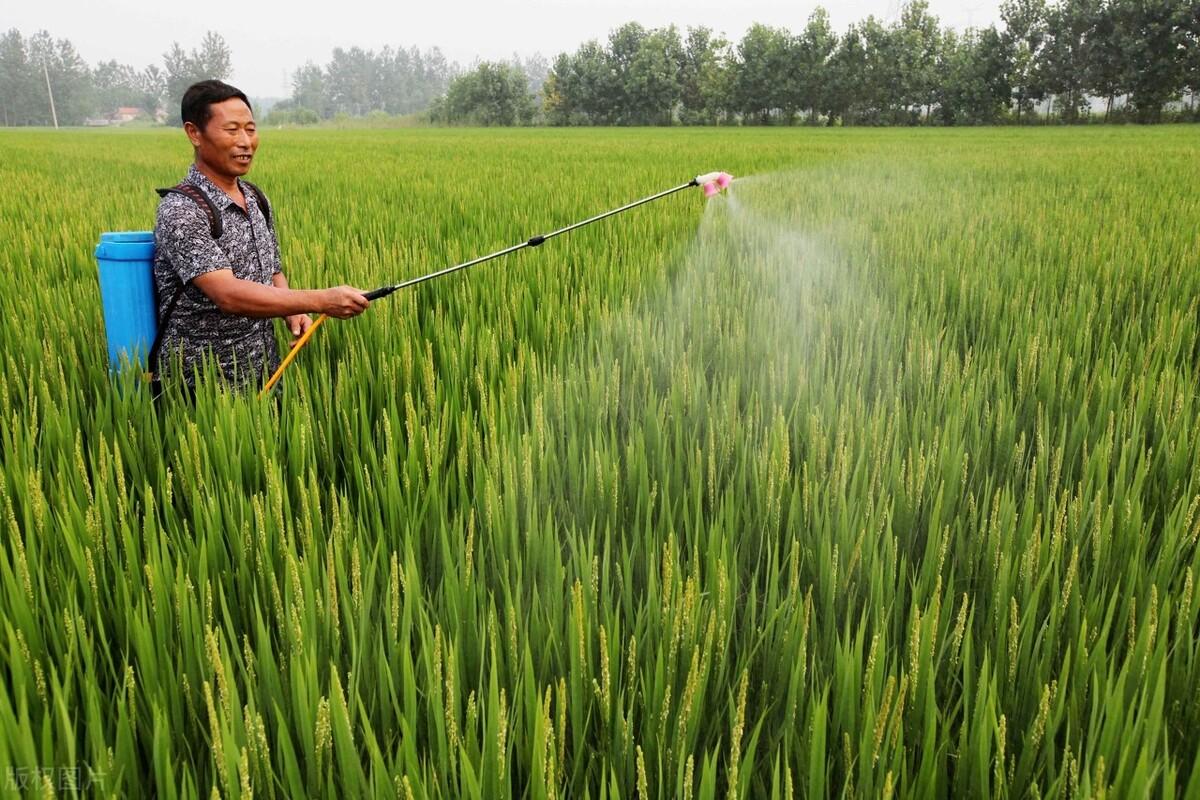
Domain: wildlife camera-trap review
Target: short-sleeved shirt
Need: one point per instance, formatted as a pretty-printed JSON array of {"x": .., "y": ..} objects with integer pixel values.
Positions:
[{"x": 243, "y": 347}]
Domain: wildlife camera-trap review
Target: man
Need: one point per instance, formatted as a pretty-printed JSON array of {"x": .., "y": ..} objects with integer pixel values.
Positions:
[{"x": 217, "y": 296}]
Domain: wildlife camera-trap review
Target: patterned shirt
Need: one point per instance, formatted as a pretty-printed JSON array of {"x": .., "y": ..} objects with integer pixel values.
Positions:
[{"x": 243, "y": 347}]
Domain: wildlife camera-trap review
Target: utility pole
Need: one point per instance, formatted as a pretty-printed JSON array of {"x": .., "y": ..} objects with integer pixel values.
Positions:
[{"x": 50, "y": 92}]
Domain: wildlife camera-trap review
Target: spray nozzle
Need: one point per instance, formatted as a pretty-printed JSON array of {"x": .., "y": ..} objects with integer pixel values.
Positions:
[{"x": 714, "y": 182}]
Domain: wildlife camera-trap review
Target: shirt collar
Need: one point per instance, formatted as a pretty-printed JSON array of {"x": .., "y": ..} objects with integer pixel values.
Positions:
[{"x": 214, "y": 192}]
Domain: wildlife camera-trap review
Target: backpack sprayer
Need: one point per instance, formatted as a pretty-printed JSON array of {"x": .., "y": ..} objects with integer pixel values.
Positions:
[{"x": 126, "y": 264}]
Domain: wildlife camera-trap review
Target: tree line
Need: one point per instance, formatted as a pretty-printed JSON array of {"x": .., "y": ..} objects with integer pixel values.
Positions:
[
  {"x": 1058, "y": 57},
  {"x": 45, "y": 81},
  {"x": 1067, "y": 60}
]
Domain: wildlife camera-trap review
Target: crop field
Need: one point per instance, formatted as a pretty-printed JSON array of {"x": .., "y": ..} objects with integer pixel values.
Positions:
[{"x": 878, "y": 476}]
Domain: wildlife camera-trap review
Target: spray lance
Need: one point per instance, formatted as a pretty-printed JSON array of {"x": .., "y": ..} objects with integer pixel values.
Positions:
[{"x": 713, "y": 183}]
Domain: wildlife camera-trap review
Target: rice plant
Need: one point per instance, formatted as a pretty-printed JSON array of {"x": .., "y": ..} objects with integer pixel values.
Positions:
[{"x": 878, "y": 477}]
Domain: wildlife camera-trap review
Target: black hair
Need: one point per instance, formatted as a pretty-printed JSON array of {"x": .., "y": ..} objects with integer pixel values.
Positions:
[{"x": 196, "y": 107}]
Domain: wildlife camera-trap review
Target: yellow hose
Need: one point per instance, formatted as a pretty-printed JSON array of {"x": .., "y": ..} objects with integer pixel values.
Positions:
[{"x": 292, "y": 355}]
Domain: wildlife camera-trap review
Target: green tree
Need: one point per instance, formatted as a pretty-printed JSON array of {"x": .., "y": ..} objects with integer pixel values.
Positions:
[
  {"x": 212, "y": 60},
  {"x": 1067, "y": 53},
  {"x": 152, "y": 89},
  {"x": 847, "y": 79},
  {"x": 652, "y": 89},
  {"x": 881, "y": 91},
  {"x": 1191, "y": 56},
  {"x": 918, "y": 42},
  {"x": 702, "y": 74},
  {"x": 18, "y": 85},
  {"x": 57, "y": 63},
  {"x": 113, "y": 85},
  {"x": 350, "y": 78},
  {"x": 559, "y": 91},
  {"x": 815, "y": 49},
  {"x": 1153, "y": 53},
  {"x": 582, "y": 89},
  {"x": 615, "y": 95},
  {"x": 763, "y": 75},
  {"x": 972, "y": 87},
  {"x": 493, "y": 93},
  {"x": 309, "y": 91},
  {"x": 1104, "y": 73},
  {"x": 1024, "y": 35}
]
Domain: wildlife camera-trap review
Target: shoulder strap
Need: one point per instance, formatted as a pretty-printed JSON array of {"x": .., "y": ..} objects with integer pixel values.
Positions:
[
  {"x": 201, "y": 199},
  {"x": 263, "y": 202}
]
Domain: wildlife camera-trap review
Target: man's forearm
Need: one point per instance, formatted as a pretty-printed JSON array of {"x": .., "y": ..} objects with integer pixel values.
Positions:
[{"x": 250, "y": 299}]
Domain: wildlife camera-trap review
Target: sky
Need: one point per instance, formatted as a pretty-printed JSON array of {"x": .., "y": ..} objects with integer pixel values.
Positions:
[{"x": 271, "y": 38}]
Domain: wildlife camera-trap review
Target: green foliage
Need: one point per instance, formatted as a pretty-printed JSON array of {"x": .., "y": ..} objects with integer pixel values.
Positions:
[
  {"x": 973, "y": 85},
  {"x": 356, "y": 81},
  {"x": 211, "y": 60},
  {"x": 494, "y": 93},
  {"x": 875, "y": 478},
  {"x": 28, "y": 67}
]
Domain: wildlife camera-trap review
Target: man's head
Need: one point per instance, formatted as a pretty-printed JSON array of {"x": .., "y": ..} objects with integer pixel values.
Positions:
[{"x": 220, "y": 124}]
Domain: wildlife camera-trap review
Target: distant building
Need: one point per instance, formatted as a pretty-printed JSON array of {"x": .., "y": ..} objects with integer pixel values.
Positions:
[{"x": 126, "y": 114}]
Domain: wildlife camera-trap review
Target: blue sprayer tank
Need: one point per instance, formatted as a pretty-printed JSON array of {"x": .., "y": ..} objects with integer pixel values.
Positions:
[{"x": 126, "y": 271}]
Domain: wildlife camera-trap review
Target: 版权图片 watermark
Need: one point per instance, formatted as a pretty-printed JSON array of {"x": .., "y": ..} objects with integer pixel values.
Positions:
[{"x": 62, "y": 779}]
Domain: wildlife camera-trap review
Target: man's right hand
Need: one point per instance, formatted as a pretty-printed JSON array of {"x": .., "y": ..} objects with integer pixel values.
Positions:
[{"x": 344, "y": 302}]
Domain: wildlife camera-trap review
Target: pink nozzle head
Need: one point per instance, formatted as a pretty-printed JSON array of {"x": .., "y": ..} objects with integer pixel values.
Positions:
[{"x": 713, "y": 182}]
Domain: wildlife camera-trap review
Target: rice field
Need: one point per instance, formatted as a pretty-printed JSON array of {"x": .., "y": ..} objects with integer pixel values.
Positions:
[{"x": 878, "y": 477}]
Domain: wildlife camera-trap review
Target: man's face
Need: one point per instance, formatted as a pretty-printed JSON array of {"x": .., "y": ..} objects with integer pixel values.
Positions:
[{"x": 227, "y": 143}]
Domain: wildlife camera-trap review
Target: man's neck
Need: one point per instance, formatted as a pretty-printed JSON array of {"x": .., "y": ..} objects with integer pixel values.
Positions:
[{"x": 226, "y": 183}]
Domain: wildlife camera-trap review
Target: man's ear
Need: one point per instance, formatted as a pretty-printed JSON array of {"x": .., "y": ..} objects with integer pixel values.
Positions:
[{"x": 193, "y": 133}]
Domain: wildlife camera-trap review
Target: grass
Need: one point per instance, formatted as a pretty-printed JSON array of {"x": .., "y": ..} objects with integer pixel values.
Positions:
[{"x": 878, "y": 478}]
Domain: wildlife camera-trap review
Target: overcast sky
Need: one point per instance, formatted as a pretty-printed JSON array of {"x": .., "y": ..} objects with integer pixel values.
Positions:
[{"x": 270, "y": 38}]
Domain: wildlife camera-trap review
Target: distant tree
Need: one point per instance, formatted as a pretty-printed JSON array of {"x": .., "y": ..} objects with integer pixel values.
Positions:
[
  {"x": 763, "y": 75},
  {"x": 1154, "y": 53},
  {"x": 582, "y": 88},
  {"x": 882, "y": 89},
  {"x": 536, "y": 69},
  {"x": 1067, "y": 52},
  {"x": 55, "y": 61},
  {"x": 843, "y": 99},
  {"x": 18, "y": 86},
  {"x": 991, "y": 60},
  {"x": 113, "y": 85},
  {"x": 212, "y": 60},
  {"x": 918, "y": 42},
  {"x": 815, "y": 50},
  {"x": 652, "y": 88},
  {"x": 1105, "y": 74},
  {"x": 972, "y": 87},
  {"x": 350, "y": 79},
  {"x": 1191, "y": 56},
  {"x": 1024, "y": 36},
  {"x": 955, "y": 74},
  {"x": 152, "y": 89},
  {"x": 704, "y": 77},
  {"x": 493, "y": 93},
  {"x": 624, "y": 44},
  {"x": 308, "y": 89},
  {"x": 559, "y": 92},
  {"x": 435, "y": 75}
]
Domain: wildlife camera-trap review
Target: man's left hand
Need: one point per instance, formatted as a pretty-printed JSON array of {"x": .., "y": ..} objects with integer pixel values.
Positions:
[{"x": 298, "y": 324}]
